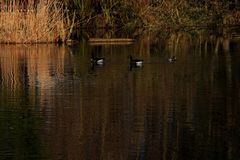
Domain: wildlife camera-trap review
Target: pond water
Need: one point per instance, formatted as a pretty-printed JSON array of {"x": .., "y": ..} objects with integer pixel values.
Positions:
[{"x": 55, "y": 105}]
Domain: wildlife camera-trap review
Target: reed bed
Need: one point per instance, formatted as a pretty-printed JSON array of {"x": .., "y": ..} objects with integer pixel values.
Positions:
[{"x": 41, "y": 22}]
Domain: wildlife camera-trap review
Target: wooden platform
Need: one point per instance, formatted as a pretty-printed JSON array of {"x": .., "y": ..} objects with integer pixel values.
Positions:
[{"x": 123, "y": 41}]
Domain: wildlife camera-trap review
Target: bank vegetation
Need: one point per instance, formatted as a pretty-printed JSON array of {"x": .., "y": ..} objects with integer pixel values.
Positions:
[{"x": 40, "y": 21}]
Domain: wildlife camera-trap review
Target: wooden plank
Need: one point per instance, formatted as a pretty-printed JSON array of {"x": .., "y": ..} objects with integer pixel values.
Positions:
[
  {"x": 109, "y": 43},
  {"x": 110, "y": 40}
]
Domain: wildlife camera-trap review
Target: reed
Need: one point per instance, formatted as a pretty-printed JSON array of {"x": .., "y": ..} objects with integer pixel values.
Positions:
[{"x": 41, "y": 22}]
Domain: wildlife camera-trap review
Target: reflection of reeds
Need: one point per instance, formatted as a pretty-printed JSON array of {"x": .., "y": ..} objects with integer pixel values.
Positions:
[
  {"x": 28, "y": 67},
  {"x": 32, "y": 23}
]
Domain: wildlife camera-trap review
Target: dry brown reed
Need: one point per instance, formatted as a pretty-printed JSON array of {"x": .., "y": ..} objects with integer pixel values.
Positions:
[{"x": 33, "y": 23}]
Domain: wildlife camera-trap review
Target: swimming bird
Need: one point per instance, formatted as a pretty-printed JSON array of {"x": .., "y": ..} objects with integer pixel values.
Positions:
[
  {"x": 135, "y": 62},
  {"x": 172, "y": 59},
  {"x": 97, "y": 60}
]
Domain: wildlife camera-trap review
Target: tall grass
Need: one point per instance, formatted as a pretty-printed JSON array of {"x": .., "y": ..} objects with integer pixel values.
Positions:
[{"x": 43, "y": 22}]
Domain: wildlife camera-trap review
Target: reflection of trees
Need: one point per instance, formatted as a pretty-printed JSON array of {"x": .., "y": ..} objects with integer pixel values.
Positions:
[
  {"x": 163, "y": 111},
  {"x": 201, "y": 41},
  {"x": 185, "y": 110},
  {"x": 207, "y": 88}
]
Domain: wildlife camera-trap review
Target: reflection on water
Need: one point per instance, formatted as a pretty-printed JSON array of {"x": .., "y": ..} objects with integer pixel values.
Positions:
[{"x": 55, "y": 105}]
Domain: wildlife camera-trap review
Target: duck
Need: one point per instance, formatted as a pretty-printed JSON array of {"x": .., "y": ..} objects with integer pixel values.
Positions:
[
  {"x": 135, "y": 62},
  {"x": 97, "y": 60},
  {"x": 172, "y": 59}
]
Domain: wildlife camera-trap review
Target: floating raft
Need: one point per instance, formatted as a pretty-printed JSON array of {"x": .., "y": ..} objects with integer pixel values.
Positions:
[{"x": 110, "y": 41}]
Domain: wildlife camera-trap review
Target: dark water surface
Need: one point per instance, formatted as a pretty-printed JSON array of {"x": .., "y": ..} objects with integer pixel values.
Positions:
[{"x": 55, "y": 105}]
